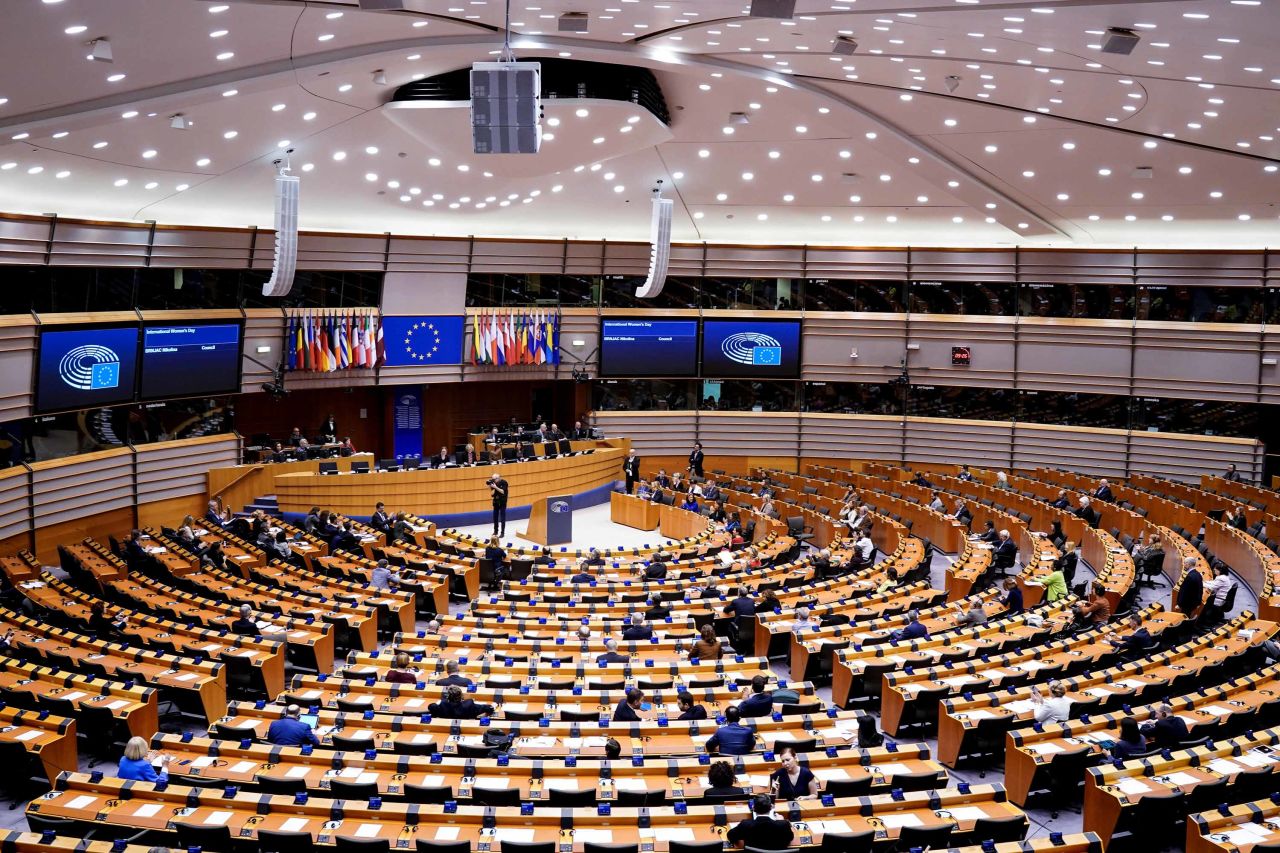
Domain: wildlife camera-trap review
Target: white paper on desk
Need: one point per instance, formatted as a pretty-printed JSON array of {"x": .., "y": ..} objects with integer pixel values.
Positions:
[
  {"x": 1100, "y": 692},
  {"x": 556, "y": 784},
  {"x": 422, "y": 737},
  {"x": 967, "y": 813},
  {"x": 1020, "y": 706},
  {"x": 435, "y": 780},
  {"x": 29, "y": 735},
  {"x": 366, "y": 778},
  {"x": 295, "y": 824},
  {"x": 73, "y": 695},
  {"x": 513, "y": 833},
  {"x": 896, "y": 821},
  {"x": 203, "y": 761},
  {"x": 1029, "y": 666},
  {"x": 954, "y": 681},
  {"x": 218, "y": 818},
  {"x": 368, "y": 830},
  {"x": 1248, "y": 833},
  {"x": 1135, "y": 683},
  {"x": 148, "y": 810},
  {"x": 470, "y": 740},
  {"x": 415, "y": 703},
  {"x": 492, "y": 783},
  {"x": 593, "y": 836},
  {"x": 1132, "y": 786},
  {"x": 827, "y": 774},
  {"x": 212, "y": 647},
  {"x": 893, "y": 768},
  {"x": 830, "y": 826},
  {"x": 673, "y": 833},
  {"x": 1256, "y": 759},
  {"x": 298, "y": 772},
  {"x": 116, "y": 705},
  {"x": 447, "y": 833},
  {"x": 594, "y": 742},
  {"x": 572, "y": 743},
  {"x": 298, "y": 635},
  {"x": 1180, "y": 778},
  {"x": 1221, "y": 765},
  {"x": 979, "y": 715},
  {"x": 518, "y": 707},
  {"x": 1048, "y": 748},
  {"x": 1216, "y": 710},
  {"x": 538, "y": 742},
  {"x": 243, "y": 766},
  {"x": 81, "y": 802},
  {"x": 630, "y": 784},
  {"x": 759, "y": 781}
]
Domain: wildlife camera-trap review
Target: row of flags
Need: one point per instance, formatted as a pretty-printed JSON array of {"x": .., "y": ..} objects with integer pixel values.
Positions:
[
  {"x": 324, "y": 342},
  {"x": 516, "y": 336}
]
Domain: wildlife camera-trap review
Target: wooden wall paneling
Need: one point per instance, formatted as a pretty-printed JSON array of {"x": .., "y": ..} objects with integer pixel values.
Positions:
[
  {"x": 1269, "y": 374},
  {"x": 625, "y": 259},
  {"x": 653, "y": 433},
  {"x": 11, "y": 545},
  {"x": 428, "y": 255},
  {"x": 1186, "y": 457},
  {"x": 749, "y": 433},
  {"x": 1203, "y": 268},
  {"x": 526, "y": 256},
  {"x": 15, "y": 503},
  {"x": 170, "y": 511},
  {"x": 991, "y": 340},
  {"x": 754, "y": 261},
  {"x": 23, "y": 239},
  {"x": 687, "y": 259},
  {"x": 830, "y": 338},
  {"x": 1068, "y": 266},
  {"x": 942, "y": 441},
  {"x": 1101, "y": 452},
  {"x": 838, "y": 438},
  {"x": 173, "y": 469},
  {"x": 17, "y": 367},
  {"x": 78, "y": 486},
  {"x": 964, "y": 265},
  {"x": 1219, "y": 361},
  {"x": 78, "y": 243},
  {"x": 325, "y": 251},
  {"x": 1066, "y": 355},
  {"x": 115, "y": 521},
  {"x": 206, "y": 248},
  {"x": 837, "y": 262}
]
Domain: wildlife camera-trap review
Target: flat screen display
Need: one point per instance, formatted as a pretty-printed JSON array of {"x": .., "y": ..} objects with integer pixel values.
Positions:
[
  {"x": 86, "y": 367},
  {"x": 758, "y": 349},
  {"x": 641, "y": 346},
  {"x": 190, "y": 359}
]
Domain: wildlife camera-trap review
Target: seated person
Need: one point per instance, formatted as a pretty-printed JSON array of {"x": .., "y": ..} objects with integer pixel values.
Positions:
[
  {"x": 720, "y": 783},
  {"x": 583, "y": 574},
  {"x": 452, "y": 678},
  {"x": 913, "y": 630},
  {"x": 611, "y": 654},
  {"x": 1168, "y": 731},
  {"x": 102, "y": 625},
  {"x": 594, "y": 559},
  {"x": 400, "y": 673},
  {"x": 757, "y": 701},
  {"x": 732, "y": 738},
  {"x": 454, "y": 707},
  {"x": 1136, "y": 643},
  {"x": 762, "y": 829},
  {"x": 802, "y": 622},
  {"x": 689, "y": 708},
  {"x": 1055, "y": 585},
  {"x": 707, "y": 646},
  {"x": 869, "y": 736},
  {"x": 690, "y": 503},
  {"x": 136, "y": 763},
  {"x": 792, "y": 781},
  {"x": 628, "y": 709},
  {"x": 657, "y": 610},
  {"x": 245, "y": 625},
  {"x": 1012, "y": 597},
  {"x": 656, "y": 570},
  {"x": 1130, "y": 742},
  {"x": 638, "y": 630},
  {"x": 289, "y": 730},
  {"x": 741, "y": 605},
  {"x": 1054, "y": 709},
  {"x": 975, "y": 616},
  {"x": 1095, "y": 611}
]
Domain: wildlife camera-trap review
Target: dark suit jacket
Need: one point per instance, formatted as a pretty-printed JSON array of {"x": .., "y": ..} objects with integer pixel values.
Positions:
[
  {"x": 631, "y": 466},
  {"x": 1104, "y": 494},
  {"x": 624, "y": 713},
  {"x": 635, "y": 632},
  {"x": 1005, "y": 554},
  {"x": 1191, "y": 593},
  {"x": 1168, "y": 733}
]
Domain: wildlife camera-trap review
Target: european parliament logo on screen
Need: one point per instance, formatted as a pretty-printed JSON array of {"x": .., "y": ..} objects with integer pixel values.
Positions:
[
  {"x": 752, "y": 348},
  {"x": 423, "y": 340},
  {"x": 84, "y": 367},
  {"x": 766, "y": 349}
]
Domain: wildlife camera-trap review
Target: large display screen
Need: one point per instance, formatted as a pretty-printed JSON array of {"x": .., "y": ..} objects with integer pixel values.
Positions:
[
  {"x": 190, "y": 359},
  {"x": 86, "y": 367},
  {"x": 759, "y": 349},
  {"x": 635, "y": 346}
]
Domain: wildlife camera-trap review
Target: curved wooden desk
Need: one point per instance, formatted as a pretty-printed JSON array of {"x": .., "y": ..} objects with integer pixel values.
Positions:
[{"x": 447, "y": 490}]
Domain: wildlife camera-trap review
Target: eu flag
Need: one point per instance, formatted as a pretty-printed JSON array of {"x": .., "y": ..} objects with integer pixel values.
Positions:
[{"x": 423, "y": 340}]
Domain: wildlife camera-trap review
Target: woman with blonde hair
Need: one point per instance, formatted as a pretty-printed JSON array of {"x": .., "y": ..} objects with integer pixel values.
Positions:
[{"x": 136, "y": 763}]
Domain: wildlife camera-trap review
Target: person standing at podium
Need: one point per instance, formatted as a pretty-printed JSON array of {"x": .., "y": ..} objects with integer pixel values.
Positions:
[
  {"x": 695, "y": 460},
  {"x": 498, "y": 489},
  {"x": 631, "y": 469}
]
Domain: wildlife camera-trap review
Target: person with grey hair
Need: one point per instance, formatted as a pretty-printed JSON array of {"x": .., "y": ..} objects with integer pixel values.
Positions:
[
  {"x": 584, "y": 632},
  {"x": 802, "y": 622},
  {"x": 1167, "y": 730},
  {"x": 974, "y": 617},
  {"x": 452, "y": 676},
  {"x": 289, "y": 730},
  {"x": 381, "y": 576},
  {"x": 1191, "y": 589},
  {"x": 639, "y": 629},
  {"x": 245, "y": 625},
  {"x": 913, "y": 630},
  {"x": 611, "y": 654}
]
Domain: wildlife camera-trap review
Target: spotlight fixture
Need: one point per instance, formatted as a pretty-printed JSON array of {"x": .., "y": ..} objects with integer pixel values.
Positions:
[
  {"x": 1121, "y": 41},
  {"x": 178, "y": 121},
  {"x": 574, "y": 22},
  {"x": 952, "y": 82},
  {"x": 380, "y": 77},
  {"x": 845, "y": 45},
  {"x": 100, "y": 50}
]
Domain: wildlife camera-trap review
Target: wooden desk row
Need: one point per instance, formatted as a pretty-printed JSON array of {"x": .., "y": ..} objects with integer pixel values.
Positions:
[{"x": 135, "y": 705}]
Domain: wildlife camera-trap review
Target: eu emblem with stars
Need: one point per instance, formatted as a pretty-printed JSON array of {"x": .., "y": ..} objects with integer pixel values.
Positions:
[{"x": 423, "y": 340}]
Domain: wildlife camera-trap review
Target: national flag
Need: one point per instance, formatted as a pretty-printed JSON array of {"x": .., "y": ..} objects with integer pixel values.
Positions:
[
  {"x": 500, "y": 339},
  {"x": 357, "y": 341},
  {"x": 348, "y": 345},
  {"x": 381, "y": 357},
  {"x": 554, "y": 339},
  {"x": 290, "y": 353},
  {"x": 312, "y": 353}
]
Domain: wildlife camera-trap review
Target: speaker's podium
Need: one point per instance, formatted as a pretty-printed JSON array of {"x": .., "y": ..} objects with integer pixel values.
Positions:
[{"x": 551, "y": 521}]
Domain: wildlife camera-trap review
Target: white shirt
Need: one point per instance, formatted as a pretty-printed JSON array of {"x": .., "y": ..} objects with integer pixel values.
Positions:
[
  {"x": 865, "y": 546},
  {"x": 726, "y": 558},
  {"x": 1054, "y": 709},
  {"x": 1220, "y": 587},
  {"x": 937, "y": 505}
]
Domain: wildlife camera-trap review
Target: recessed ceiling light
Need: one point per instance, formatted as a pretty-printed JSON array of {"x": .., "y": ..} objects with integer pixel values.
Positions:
[
  {"x": 115, "y": 78},
  {"x": 991, "y": 149},
  {"x": 35, "y": 170},
  {"x": 149, "y": 185},
  {"x": 1168, "y": 217},
  {"x": 826, "y": 218},
  {"x": 325, "y": 37},
  {"x": 1028, "y": 174},
  {"x": 1063, "y": 197},
  {"x": 891, "y": 219},
  {"x": 345, "y": 87},
  {"x": 339, "y": 156},
  {"x": 371, "y": 149},
  {"x": 463, "y": 167},
  {"x": 582, "y": 112},
  {"x": 149, "y": 153},
  {"x": 433, "y": 161},
  {"x": 748, "y": 176},
  {"x": 333, "y": 16},
  {"x": 63, "y": 174},
  {"x": 230, "y": 93},
  {"x": 817, "y": 179},
  {"x": 373, "y": 176},
  {"x": 704, "y": 153},
  {"x": 225, "y": 55},
  {"x": 722, "y": 196},
  {"x": 1093, "y": 217},
  {"x": 231, "y": 134},
  {"x": 217, "y": 34},
  {"x": 845, "y": 155},
  {"x": 856, "y": 199},
  {"x": 1130, "y": 218},
  {"x": 698, "y": 215},
  {"x": 62, "y": 134},
  {"x": 922, "y": 199},
  {"x": 1244, "y": 217},
  {"x": 1104, "y": 172},
  {"x": 1215, "y": 194},
  {"x": 1069, "y": 146},
  {"x": 129, "y": 114},
  {"x": 98, "y": 146},
  {"x": 76, "y": 30},
  {"x": 121, "y": 182},
  {"x": 871, "y": 135},
  {"x": 307, "y": 167},
  {"x": 203, "y": 161},
  {"x": 221, "y": 7}
]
